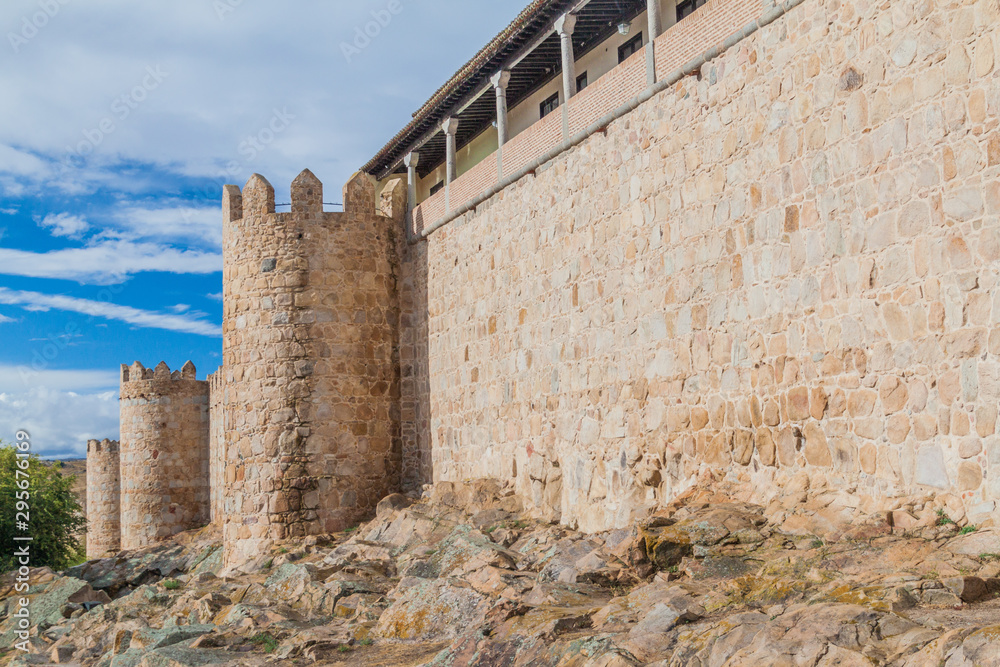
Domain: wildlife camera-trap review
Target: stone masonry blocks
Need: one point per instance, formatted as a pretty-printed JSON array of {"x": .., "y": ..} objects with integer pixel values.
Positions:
[
  {"x": 164, "y": 453},
  {"x": 103, "y": 498},
  {"x": 216, "y": 446},
  {"x": 787, "y": 265},
  {"x": 311, "y": 369}
]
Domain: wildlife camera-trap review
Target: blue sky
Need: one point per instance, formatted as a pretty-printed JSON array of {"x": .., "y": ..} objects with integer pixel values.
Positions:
[{"x": 120, "y": 121}]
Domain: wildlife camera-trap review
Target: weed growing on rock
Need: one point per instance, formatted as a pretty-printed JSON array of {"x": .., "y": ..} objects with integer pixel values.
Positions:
[
  {"x": 944, "y": 519},
  {"x": 266, "y": 641}
]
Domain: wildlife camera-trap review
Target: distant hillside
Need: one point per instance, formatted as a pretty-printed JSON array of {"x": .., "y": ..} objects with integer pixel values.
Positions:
[{"x": 76, "y": 468}]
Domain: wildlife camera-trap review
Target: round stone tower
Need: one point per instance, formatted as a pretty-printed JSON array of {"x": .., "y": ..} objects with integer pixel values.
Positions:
[
  {"x": 164, "y": 453},
  {"x": 310, "y": 363},
  {"x": 103, "y": 499}
]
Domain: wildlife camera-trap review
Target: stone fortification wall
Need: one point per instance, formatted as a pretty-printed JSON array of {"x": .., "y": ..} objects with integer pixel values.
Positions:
[
  {"x": 216, "y": 444},
  {"x": 787, "y": 263},
  {"x": 310, "y": 362},
  {"x": 164, "y": 453},
  {"x": 103, "y": 498}
]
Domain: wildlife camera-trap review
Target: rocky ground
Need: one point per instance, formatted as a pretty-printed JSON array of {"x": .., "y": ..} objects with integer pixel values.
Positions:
[{"x": 462, "y": 577}]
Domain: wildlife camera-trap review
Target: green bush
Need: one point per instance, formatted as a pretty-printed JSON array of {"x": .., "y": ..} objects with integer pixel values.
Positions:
[
  {"x": 55, "y": 517},
  {"x": 267, "y": 641}
]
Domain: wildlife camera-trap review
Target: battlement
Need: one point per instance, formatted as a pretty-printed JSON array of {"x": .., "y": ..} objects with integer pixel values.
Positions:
[
  {"x": 164, "y": 452},
  {"x": 139, "y": 373},
  {"x": 257, "y": 198},
  {"x": 103, "y": 498},
  {"x": 306, "y": 434},
  {"x": 103, "y": 446},
  {"x": 216, "y": 381}
]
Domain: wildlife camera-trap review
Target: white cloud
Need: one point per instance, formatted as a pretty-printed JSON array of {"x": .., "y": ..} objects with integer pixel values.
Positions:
[
  {"x": 221, "y": 85},
  {"x": 13, "y": 210},
  {"x": 4, "y": 319},
  {"x": 21, "y": 163},
  {"x": 145, "y": 319},
  {"x": 180, "y": 223},
  {"x": 180, "y": 308},
  {"x": 61, "y": 409},
  {"x": 19, "y": 379},
  {"x": 60, "y": 422},
  {"x": 64, "y": 224},
  {"x": 107, "y": 262}
]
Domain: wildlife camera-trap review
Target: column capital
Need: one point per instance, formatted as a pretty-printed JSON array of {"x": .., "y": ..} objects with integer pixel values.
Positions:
[
  {"x": 565, "y": 25},
  {"x": 501, "y": 79},
  {"x": 412, "y": 159},
  {"x": 450, "y": 126}
]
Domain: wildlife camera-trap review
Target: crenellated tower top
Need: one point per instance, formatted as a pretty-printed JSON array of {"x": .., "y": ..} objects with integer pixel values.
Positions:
[
  {"x": 137, "y": 372},
  {"x": 257, "y": 198}
]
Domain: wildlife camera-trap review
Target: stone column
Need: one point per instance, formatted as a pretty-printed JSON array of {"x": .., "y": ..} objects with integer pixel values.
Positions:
[
  {"x": 655, "y": 28},
  {"x": 653, "y": 14},
  {"x": 411, "y": 161},
  {"x": 500, "y": 81},
  {"x": 450, "y": 128},
  {"x": 564, "y": 26}
]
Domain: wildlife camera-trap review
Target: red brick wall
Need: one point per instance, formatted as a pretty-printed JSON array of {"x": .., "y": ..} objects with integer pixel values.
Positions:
[
  {"x": 707, "y": 26},
  {"x": 608, "y": 93},
  {"x": 429, "y": 211},
  {"x": 531, "y": 143},
  {"x": 475, "y": 181}
]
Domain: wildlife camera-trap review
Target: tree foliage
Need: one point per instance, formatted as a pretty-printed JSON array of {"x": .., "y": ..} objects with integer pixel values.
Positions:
[{"x": 55, "y": 518}]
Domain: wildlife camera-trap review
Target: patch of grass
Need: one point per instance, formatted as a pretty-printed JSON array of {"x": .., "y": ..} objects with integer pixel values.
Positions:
[
  {"x": 968, "y": 529},
  {"x": 515, "y": 524},
  {"x": 989, "y": 557},
  {"x": 352, "y": 528},
  {"x": 268, "y": 564},
  {"x": 673, "y": 569},
  {"x": 817, "y": 543},
  {"x": 367, "y": 641},
  {"x": 282, "y": 550},
  {"x": 345, "y": 649},
  {"x": 78, "y": 558},
  {"x": 944, "y": 519},
  {"x": 266, "y": 641},
  {"x": 619, "y": 591},
  {"x": 172, "y": 584}
]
